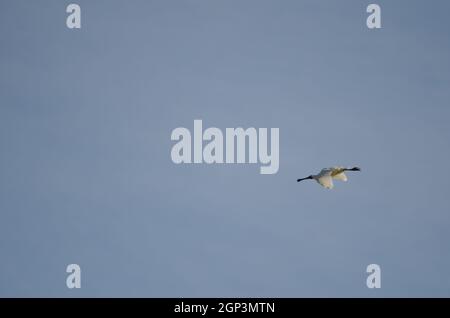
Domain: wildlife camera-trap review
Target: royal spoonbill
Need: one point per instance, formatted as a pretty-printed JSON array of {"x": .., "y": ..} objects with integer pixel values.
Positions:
[{"x": 325, "y": 176}]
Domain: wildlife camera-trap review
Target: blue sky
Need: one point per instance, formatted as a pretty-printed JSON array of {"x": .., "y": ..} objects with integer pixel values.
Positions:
[{"x": 86, "y": 175}]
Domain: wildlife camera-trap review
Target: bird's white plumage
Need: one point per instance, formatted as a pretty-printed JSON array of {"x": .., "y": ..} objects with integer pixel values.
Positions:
[
  {"x": 325, "y": 181},
  {"x": 340, "y": 176},
  {"x": 325, "y": 176}
]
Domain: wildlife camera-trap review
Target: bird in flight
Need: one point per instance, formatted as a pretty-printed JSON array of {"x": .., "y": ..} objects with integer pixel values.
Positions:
[{"x": 325, "y": 176}]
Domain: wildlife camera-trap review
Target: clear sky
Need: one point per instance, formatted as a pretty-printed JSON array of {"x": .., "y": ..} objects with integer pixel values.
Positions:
[{"x": 86, "y": 175}]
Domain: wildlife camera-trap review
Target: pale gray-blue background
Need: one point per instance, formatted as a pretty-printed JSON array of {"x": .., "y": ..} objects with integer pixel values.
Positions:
[{"x": 85, "y": 169}]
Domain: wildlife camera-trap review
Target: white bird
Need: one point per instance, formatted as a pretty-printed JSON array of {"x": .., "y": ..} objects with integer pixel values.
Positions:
[{"x": 325, "y": 176}]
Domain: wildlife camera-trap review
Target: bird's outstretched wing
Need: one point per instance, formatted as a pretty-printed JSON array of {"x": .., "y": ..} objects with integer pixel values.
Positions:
[
  {"x": 340, "y": 176},
  {"x": 326, "y": 181}
]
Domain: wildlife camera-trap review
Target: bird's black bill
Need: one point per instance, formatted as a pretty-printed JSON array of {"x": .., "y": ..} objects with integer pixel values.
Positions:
[
  {"x": 310, "y": 177},
  {"x": 353, "y": 169}
]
